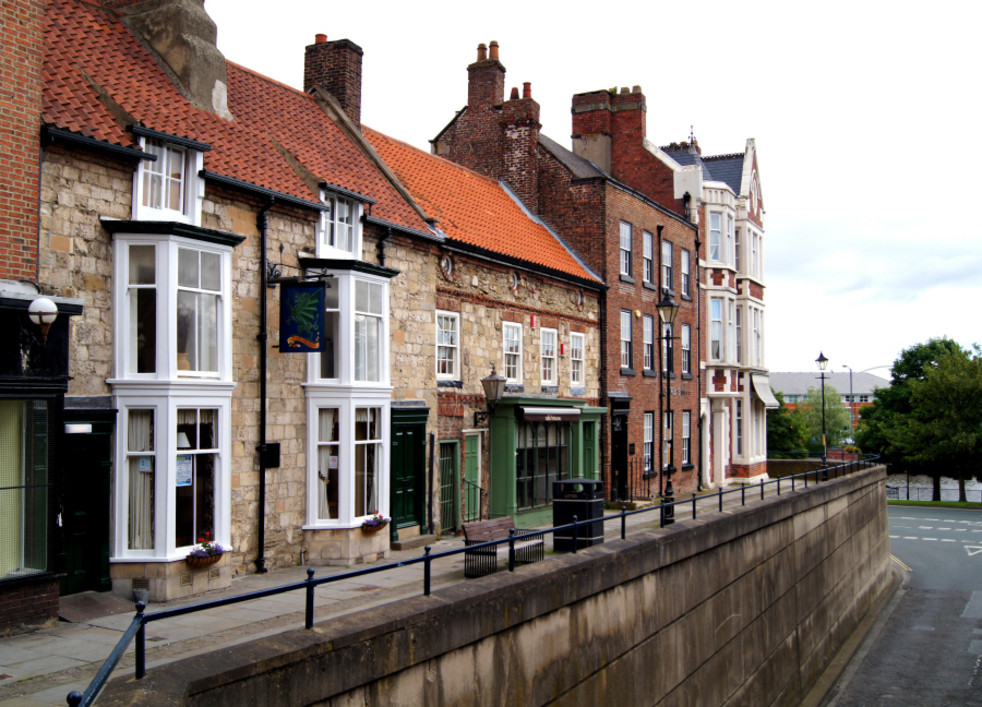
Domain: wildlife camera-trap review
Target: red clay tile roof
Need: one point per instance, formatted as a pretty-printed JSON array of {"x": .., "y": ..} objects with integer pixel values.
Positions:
[
  {"x": 89, "y": 54},
  {"x": 474, "y": 209}
]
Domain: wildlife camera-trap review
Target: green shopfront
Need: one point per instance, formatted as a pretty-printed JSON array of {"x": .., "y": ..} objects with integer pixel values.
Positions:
[{"x": 536, "y": 441}]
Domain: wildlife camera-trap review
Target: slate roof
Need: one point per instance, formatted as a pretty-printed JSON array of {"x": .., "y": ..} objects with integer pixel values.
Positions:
[
  {"x": 718, "y": 168},
  {"x": 475, "y": 210},
  {"x": 799, "y": 383},
  {"x": 579, "y": 167},
  {"x": 98, "y": 78}
]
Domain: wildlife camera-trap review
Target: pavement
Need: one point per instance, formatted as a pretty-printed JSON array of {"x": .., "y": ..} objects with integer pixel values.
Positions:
[{"x": 42, "y": 667}]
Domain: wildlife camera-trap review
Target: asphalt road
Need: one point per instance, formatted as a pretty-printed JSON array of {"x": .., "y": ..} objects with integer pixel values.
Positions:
[{"x": 926, "y": 648}]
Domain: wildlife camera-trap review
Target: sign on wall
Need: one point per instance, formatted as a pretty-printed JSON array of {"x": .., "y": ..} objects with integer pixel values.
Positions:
[{"x": 301, "y": 317}]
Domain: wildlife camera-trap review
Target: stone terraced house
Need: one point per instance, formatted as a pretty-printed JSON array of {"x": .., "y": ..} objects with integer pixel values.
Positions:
[{"x": 181, "y": 201}]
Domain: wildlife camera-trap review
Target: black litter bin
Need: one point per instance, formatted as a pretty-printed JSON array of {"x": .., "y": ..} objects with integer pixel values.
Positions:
[{"x": 583, "y": 498}]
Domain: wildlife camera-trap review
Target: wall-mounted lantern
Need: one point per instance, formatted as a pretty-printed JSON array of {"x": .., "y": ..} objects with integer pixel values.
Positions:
[
  {"x": 43, "y": 312},
  {"x": 494, "y": 388}
]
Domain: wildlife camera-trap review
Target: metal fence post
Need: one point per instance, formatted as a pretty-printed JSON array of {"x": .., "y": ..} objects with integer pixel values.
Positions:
[
  {"x": 576, "y": 534},
  {"x": 720, "y": 494},
  {"x": 308, "y": 621},
  {"x": 694, "y": 497},
  {"x": 511, "y": 549},
  {"x": 426, "y": 570},
  {"x": 141, "y": 642},
  {"x": 743, "y": 494},
  {"x": 761, "y": 489},
  {"x": 623, "y": 522}
]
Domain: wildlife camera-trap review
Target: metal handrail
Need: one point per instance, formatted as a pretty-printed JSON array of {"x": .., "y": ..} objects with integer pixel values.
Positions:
[
  {"x": 137, "y": 627},
  {"x": 471, "y": 487}
]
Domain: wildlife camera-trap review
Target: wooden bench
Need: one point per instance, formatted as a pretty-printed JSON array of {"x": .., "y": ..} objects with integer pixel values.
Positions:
[{"x": 484, "y": 560}]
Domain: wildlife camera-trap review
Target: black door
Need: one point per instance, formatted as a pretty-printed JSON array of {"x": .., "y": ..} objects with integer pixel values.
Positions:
[
  {"x": 408, "y": 467},
  {"x": 618, "y": 455},
  {"x": 86, "y": 462}
]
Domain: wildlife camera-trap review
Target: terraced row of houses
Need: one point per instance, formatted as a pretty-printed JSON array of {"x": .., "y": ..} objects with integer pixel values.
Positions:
[{"x": 237, "y": 314}]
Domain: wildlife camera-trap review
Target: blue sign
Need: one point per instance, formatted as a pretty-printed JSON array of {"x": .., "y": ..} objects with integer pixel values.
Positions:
[{"x": 301, "y": 317}]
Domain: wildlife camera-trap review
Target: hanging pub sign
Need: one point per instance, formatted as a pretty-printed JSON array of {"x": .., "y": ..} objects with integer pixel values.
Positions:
[{"x": 301, "y": 316}]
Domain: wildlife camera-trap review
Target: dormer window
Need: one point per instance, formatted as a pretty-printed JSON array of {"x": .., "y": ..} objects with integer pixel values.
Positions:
[
  {"x": 168, "y": 187},
  {"x": 340, "y": 228}
]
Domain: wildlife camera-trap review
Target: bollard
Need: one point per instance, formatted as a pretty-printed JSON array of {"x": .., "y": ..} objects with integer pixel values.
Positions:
[
  {"x": 426, "y": 570},
  {"x": 141, "y": 642},
  {"x": 308, "y": 621}
]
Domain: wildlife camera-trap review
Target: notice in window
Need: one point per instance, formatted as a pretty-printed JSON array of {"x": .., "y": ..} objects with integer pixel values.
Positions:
[{"x": 184, "y": 468}]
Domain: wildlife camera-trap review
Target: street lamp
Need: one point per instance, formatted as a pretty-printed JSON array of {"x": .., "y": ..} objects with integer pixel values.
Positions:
[
  {"x": 494, "y": 388},
  {"x": 823, "y": 363},
  {"x": 667, "y": 311}
]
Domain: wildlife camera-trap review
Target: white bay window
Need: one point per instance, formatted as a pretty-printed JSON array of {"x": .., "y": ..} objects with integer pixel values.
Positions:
[{"x": 348, "y": 397}]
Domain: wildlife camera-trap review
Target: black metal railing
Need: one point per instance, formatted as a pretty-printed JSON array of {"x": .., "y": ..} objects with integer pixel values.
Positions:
[
  {"x": 714, "y": 501},
  {"x": 926, "y": 493},
  {"x": 473, "y": 501}
]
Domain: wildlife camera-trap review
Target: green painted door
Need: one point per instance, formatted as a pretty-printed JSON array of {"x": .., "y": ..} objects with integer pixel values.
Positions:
[
  {"x": 590, "y": 468},
  {"x": 472, "y": 478},
  {"x": 449, "y": 494},
  {"x": 408, "y": 468}
]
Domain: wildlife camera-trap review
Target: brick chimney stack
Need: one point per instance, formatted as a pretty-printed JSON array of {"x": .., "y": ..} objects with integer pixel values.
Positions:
[
  {"x": 21, "y": 57},
  {"x": 592, "y": 127},
  {"x": 336, "y": 67},
  {"x": 485, "y": 79},
  {"x": 609, "y": 128}
]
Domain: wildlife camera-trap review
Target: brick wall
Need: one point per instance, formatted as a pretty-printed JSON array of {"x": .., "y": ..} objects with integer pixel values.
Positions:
[
  {"x": 28, "y": 604},
  {"x": 20, "y": 109},
  {"x": 335, "y": 66}
]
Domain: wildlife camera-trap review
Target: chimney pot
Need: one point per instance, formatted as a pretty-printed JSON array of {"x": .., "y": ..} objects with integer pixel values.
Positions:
[
  {"x": 624, "y": 89},
  {"x": 514, "y": 93},
  {"x": 527, "y": 89},
  {"x": 482, "y": 52},
  {"x": 494, "y": 49},
  {"x": 320, "y": 38},
  {"x": 636, "y": 89}
]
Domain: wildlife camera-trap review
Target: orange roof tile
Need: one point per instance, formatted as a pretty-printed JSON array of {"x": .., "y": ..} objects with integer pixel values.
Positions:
[
  {"x": 98, "y": 78},
  {"x": 474, "y": 209}
]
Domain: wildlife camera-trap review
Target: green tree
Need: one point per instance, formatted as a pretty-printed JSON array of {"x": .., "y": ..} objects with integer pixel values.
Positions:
[
  {"x": 879, "y": 422},
  {"x": 785, "y": 431},
  {"x": 836, "y": 418},
  {"x": 944, "y": 427}
]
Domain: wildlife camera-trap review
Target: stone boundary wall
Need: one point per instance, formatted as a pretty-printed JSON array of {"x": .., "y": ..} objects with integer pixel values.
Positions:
[{"x": 747, "y": 606}]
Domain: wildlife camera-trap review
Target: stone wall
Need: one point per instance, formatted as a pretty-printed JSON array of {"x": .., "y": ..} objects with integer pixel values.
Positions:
[{"x": 743, "y": 607}]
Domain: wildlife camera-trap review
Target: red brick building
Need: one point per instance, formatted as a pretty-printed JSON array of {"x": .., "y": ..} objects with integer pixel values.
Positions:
[{"x": 632, "y": 234}]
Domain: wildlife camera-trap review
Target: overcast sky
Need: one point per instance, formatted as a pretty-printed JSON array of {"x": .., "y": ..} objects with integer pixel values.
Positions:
[{"x": 866, "y": 117}]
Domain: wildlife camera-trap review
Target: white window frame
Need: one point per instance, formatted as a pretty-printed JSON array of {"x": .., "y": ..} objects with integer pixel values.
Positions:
[
  {"x": 332, "y": 223},
  {"x": 685, "y": 266},
  {"x": 666, "y": 265},
  {"x": 686, "y": 437},
  {"x": 164, "y": 461},
  {"x": 626, "y": 339},
  {"x": 577, "y": 359},
  {"x": 192, "y": 186},
  {"x": 649, "y": 442},
  {"x": 729, "y": 240},
  {"x": 648, "y": 339},
  {"x": 512, "y": 336},
  {"x": 738, "y": 427},
  {"x": 716, "y": 342},
  {"x": 667, "y": 437},
  {"x": 715, "y": 235},
  {"x": 549, "y": 370},
  {"x": 739, "y": 333},
  {"x": 347, "y": 403},
  {"x": 648, "y": 247},
  {"x": 166, "y": 257},
  {"x": 685, "y": 336},
  {"x": 626, "y": 246},
  {"x": 447, "y": 345},
  {"x": 730, "y": 330}
]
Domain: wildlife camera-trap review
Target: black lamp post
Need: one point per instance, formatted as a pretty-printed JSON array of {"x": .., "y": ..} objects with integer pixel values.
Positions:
[
  {"x": 494, "y": 388},
  {"x": 667, "y": 310},
  {"x": 823, "y": 363}
]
